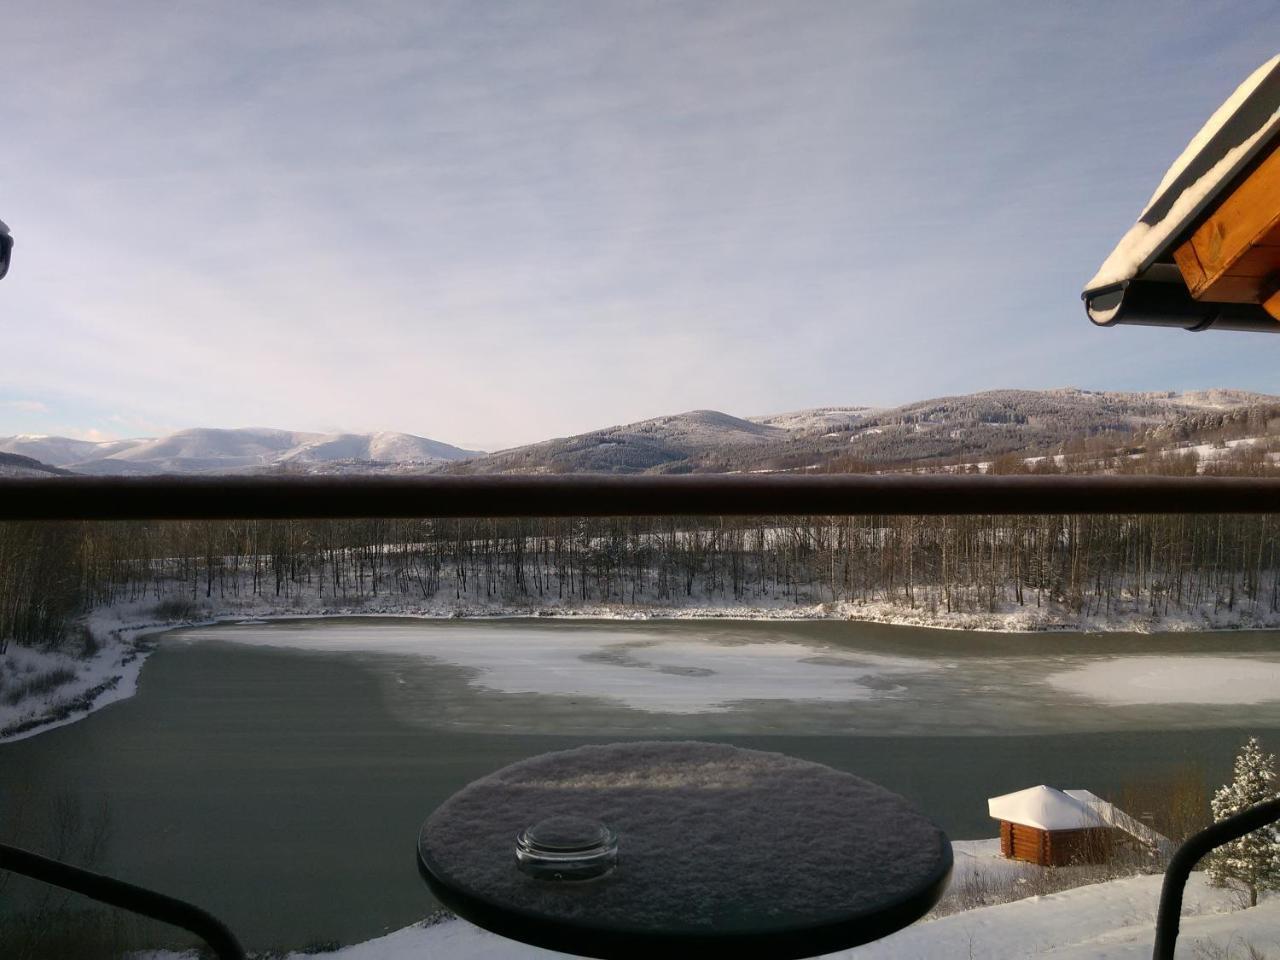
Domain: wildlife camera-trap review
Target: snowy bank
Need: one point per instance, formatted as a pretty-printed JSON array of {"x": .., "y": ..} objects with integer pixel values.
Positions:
[
  {"x": 43, "y": 689},
  {"x": 1104, "y": 921}
]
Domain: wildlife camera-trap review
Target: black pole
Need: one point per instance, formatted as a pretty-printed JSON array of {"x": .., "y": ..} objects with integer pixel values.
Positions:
[
  {"x": 1188, "y": 855},
  {"x": 126, "y": 896}
]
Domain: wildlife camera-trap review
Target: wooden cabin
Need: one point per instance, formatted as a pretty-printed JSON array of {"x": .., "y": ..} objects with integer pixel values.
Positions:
[{"x": 1051, "y": 828}]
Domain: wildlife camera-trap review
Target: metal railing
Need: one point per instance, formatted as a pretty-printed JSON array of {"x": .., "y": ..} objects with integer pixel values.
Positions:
[
  {"x": 1191, "y": 853},
  {"x": 126, "y": 896},
  {"x": 265, "y": 498}
]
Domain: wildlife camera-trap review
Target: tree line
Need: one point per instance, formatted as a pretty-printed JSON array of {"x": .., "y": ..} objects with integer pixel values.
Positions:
[{"x": 51, "y": 574}]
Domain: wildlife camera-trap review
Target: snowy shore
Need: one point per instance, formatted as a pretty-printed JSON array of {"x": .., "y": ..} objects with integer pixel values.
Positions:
[
  {"x": 1114, "y": 920},
  {"x": 125, "y": 632}
]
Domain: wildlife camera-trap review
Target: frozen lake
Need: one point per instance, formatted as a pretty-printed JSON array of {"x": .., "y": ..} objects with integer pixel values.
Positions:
[
  {"x": 278, "y": 773},
  {"x": 700, "y": 677}
]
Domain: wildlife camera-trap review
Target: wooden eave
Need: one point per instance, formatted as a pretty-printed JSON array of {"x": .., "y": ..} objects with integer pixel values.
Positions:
[
  {"x": 1214, "y": 265},
  {"x": 1233, "y": 255}
]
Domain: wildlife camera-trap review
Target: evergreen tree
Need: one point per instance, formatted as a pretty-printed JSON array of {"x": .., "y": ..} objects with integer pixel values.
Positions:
[{"x": 1253, "y": 861}]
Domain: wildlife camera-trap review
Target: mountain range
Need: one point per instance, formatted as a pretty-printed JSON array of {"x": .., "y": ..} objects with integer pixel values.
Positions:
[
  {"x": 247, "y": 450},
  {"x": 977, "y": 426}
]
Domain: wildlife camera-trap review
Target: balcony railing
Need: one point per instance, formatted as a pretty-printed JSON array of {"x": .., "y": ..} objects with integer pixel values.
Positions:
[{"x": 266, "y": 498}]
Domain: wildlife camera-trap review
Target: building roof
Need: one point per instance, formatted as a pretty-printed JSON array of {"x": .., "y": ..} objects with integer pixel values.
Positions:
[
  {"x": 1117, "y": 818},
  {"x": 1045, "y": 808},
  {"x": 1139, "y": 282}
]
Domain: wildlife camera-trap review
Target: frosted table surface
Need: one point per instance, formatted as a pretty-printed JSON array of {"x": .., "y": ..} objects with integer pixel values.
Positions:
[{"x": 718, "y": 847}]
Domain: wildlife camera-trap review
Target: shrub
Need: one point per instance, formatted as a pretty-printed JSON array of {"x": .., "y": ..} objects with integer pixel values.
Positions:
[
  {"x": 89, "y": 644},
  {"x": 177, "y": 608},
  {"x": 37, "y": 684}
]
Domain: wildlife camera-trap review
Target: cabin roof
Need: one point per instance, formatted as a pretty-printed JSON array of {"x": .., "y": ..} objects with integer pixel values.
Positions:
[
  {"x": 1045, "y": 808},
  {"x": 1138, "y": 277}
]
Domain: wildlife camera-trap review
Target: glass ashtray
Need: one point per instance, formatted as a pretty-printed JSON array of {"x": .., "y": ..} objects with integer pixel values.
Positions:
[{"x": 567, "y": 848}]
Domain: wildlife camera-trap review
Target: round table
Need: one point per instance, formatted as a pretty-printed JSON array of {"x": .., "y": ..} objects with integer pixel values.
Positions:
[{"x": 719, "y": 848}]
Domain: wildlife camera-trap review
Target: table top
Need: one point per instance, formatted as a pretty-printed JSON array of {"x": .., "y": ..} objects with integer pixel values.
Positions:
[{"x": 718, "y": 847}]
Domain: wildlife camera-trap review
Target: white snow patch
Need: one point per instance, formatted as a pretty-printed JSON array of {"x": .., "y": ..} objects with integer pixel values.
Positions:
[
  {"x": 646, "y": 672},
  {"x": 973, "y": 857},
  {"x": 1045, "y": 808},
  {"x": 1164, "y": 679},
  {"x": 816, "y": 419},
  {"x": 1211, "y": 127},
  {"x": 1143, "y": 239},
  {"x": 1103, "y": 921}
]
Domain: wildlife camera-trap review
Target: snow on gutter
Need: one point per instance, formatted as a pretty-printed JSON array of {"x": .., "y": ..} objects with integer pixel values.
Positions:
[{"x": 1240, "y": 132}]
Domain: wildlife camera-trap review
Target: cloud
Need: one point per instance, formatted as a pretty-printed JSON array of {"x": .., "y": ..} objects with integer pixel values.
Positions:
[
  {"x": 26, "y": 406},
  {"x": 91, "y": 433},
  {"x": 482, "y": 220}
]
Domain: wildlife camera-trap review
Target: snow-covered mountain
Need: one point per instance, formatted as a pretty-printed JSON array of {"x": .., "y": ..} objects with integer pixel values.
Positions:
[
  {"x": 60, "y": 450},
  {"x": 926, "y": 433},
  {"x": 248, "y": 450},
  {"x": 975, "y": 426},
  {"x": 655, "y": 445}
]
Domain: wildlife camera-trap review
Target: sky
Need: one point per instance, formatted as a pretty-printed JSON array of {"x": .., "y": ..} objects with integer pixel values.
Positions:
[{"x": 494, "y": 222}]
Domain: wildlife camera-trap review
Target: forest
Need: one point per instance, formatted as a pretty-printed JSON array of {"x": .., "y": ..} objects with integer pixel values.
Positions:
[{"x": 52, "y": 574}]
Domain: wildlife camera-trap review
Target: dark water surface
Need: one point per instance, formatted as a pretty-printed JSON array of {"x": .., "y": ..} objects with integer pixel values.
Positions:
[{"x": 282, "y": 789}]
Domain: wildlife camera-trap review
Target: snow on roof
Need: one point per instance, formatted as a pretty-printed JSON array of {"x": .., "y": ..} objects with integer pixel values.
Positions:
[
  {"x": 1247, "y": 120},
  {"x": 1045, "y": 808},
  {"x": 1117, "y": 818}
]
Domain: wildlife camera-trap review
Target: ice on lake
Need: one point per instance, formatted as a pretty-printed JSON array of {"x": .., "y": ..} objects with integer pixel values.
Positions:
[
  {"x": 644, "y": 671},
  {"x": 719, "y": 678},
  {"x": 1154, "y": 680}
]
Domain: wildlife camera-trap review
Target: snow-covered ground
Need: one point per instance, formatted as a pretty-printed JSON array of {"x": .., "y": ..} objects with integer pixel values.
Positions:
[
  {"x": 1105, "y": 921},
  {"x": 83, "y": 684},
  {"x": 1207, "y": 454},
  {"x": 982, "y": 857}
]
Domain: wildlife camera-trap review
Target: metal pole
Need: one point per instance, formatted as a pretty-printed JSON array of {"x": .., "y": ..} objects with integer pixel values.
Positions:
[
  {"x": 126, "y": 896},
  {"x": 1188, "y": 855}
]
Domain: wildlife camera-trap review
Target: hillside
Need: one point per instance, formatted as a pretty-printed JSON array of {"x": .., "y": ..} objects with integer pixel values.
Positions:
[
  {"x": 664, "y": 444},
  {"x": 974, "y": 427},
  {"x": 16, "y": 465},
  {"x": 248, "y": 450}
]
